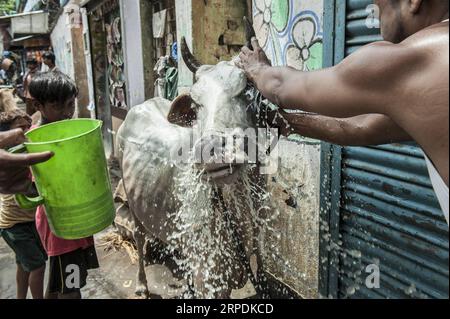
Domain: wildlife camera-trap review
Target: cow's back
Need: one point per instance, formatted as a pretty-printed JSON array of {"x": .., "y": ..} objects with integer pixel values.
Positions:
[{"x": 146, "y": 139}]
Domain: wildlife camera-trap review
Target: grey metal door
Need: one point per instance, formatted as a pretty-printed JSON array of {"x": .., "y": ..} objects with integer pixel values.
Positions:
[{"x": 378, "y": 208}]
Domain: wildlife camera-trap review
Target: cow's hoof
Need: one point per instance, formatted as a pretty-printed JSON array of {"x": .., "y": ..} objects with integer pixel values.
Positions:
[{"x": 142, "y": 291}]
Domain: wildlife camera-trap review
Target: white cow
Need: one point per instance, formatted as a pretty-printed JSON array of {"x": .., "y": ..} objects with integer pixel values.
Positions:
[{"x": 201, "y": 209}]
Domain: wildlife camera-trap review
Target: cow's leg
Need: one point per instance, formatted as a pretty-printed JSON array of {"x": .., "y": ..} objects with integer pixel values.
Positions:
[
  {"x": 261, "y": 286},
  {"x": 201, "y": 286},
  {"x": 141, "y": 278}
]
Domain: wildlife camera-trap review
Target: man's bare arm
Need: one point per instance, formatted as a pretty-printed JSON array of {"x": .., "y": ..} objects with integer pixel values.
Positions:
[
  {"x": 371, "y": 129},
  {"x": 361, "y": 84}
]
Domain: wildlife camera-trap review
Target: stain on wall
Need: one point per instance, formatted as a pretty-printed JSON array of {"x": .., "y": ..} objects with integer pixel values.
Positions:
[
  {"x": 290, "y": 32},
  {"x": 218, "y": 29},
  {"x": 61, "y": 40}
]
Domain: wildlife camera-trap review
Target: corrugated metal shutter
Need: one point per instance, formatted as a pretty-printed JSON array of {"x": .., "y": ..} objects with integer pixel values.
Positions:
[{"x": 388, "y": 213}]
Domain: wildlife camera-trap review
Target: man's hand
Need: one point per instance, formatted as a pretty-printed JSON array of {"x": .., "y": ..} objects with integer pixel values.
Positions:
[
  {"x": 14, "y": 169},
  {"x": 252, "y": 62}
]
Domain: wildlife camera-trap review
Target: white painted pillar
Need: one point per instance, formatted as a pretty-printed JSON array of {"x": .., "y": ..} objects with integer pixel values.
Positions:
[
  {"x": 184, "y": 28},
  {"x": 132, "y": 50},
  {"x": 88, "y": 55}
]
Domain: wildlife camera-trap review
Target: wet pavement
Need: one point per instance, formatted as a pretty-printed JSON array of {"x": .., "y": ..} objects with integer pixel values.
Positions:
[{"x": 115, "y": 279}]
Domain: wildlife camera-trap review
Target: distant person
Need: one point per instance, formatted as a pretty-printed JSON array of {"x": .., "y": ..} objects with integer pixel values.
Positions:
[
  {"x": 119, "y": 98},
  {"x": 3, "y": 77},
  {"x": 33, "y": 68},
  {"x": 7, "y": 68},
  {"x": 49, "y": 60},
  {"x": 54, "y": 95}
]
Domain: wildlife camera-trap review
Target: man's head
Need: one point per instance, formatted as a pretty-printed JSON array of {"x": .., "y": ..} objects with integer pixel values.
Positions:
[
  {"x": 54, "y": 95},
  {"x": 49, "y": 59},
  {"x": 32, "y": 64},
  {"x": 402, "y": 18},
  {"x": 5, "y": 64}
]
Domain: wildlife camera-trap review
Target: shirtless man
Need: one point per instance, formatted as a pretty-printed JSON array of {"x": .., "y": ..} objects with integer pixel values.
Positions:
[{"x": 392, "y": 91}]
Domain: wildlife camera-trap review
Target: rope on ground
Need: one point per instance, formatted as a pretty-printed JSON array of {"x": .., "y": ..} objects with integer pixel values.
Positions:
[{"x": 116, "y": 242}]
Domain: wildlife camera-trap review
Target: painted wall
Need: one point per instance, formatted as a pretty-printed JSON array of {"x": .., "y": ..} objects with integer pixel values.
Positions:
[
  {"x": 290, "y": 31},
  {"x": 61, "y": 38}
]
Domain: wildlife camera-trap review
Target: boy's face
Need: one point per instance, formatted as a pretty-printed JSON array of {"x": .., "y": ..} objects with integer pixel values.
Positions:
[{"x": 54, "y": 112}]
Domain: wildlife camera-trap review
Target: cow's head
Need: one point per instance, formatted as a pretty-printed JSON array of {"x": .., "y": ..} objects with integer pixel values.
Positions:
[{"x": 218, "y": 108}]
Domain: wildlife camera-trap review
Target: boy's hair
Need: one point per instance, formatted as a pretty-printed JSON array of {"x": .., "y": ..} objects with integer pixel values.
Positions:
[
  {"x": 50, "y": 87},
  {"x": 50, "y": 56}
]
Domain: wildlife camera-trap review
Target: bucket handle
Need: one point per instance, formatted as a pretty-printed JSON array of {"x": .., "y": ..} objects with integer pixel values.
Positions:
[{"x": 23, "y": 201}]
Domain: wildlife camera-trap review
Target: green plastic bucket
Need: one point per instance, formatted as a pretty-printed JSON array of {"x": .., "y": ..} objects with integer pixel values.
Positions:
[{"x": 74, "y": 184}]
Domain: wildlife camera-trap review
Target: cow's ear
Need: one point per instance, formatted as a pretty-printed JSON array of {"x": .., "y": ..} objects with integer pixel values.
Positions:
[{"x": 181, "y": 113}]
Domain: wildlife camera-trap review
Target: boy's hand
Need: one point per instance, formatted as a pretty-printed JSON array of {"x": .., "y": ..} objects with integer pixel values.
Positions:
[{"x": 14, "y": 169}]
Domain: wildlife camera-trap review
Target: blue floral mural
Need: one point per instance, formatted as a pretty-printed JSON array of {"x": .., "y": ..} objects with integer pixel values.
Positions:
[{"x": 290, "y": 31}]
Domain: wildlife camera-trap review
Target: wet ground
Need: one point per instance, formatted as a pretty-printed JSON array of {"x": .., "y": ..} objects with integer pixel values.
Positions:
[{"x": 114, "y": 280}]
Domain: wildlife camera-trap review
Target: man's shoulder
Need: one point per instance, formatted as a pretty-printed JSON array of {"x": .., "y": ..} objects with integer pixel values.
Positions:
[
  {"x": 431, "y": 46},
  {"x": 435, "y": 37}
]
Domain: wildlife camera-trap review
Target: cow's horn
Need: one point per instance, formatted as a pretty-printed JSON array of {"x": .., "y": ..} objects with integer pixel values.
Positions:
[
  {"x": 191, "y": 62},
  {"x": 249, "y": 33}
]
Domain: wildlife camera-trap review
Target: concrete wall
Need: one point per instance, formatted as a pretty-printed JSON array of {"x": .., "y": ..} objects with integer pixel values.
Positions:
[
  {"x": 214, "y": 31},
  {"x": 147, "y": 47},
  {"x": 290, "y": 32},
  {"x": 184, "y": 28},
  {"x": 218, "y": 29},
  {"x": 61, "y": 38},
  {"x": 68, "y": 46}
]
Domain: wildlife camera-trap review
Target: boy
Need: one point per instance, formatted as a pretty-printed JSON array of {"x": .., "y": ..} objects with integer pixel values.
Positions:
[
  {"x": 54, "y": 95},
  {"x": 49, "y": 61},
  {"x": 17, "y": 226}
]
